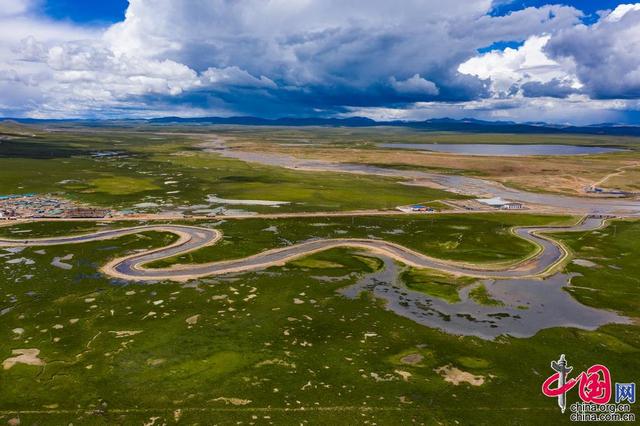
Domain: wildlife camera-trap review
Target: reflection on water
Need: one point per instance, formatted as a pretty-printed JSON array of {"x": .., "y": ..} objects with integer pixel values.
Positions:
[
  {"x": 528, "y": 306},
  {"x": 503, "y": 150}
]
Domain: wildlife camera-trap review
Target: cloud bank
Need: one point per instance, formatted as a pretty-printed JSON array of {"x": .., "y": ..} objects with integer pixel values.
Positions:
[{"x": 323, "y": 57}]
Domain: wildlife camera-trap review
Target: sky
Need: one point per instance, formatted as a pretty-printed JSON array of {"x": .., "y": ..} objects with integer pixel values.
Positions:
[{"x": 571, "y": 62}]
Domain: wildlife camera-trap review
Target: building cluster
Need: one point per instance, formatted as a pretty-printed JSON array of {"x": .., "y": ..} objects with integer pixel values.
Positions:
[{"x": 33, "y": 206}]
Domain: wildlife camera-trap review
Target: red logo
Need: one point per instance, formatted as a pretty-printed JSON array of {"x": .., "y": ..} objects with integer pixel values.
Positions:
[{"x": 594, "y": 385}]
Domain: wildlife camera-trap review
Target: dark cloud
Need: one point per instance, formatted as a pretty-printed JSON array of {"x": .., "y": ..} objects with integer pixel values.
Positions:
[
  {"x": 318, "y": 57},
  {"x": 554, "y": 89},
  {"x": 606, "y": 54}
]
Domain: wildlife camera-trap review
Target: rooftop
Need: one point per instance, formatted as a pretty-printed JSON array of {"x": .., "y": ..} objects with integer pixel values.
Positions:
[{"x": 496, "y": 201}]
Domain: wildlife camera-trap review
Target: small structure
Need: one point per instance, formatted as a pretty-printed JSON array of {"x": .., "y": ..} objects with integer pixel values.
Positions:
[
  {"x": 612, "y": 192},
  {"x": 14, "y": 196},
  {"x": 499, "y": 203},
  {"x": 594, "y": 190},
  {"x": 7, "y": 214},
  {"x": 420, "y": 208},
  {"x": 416, "y": 208}
]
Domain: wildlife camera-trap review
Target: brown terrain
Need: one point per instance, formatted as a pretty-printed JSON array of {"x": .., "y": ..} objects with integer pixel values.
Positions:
[{"x": 560, "y": 174}]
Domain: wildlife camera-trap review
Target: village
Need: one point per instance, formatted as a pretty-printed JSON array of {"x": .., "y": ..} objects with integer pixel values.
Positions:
[
  {"x": 54, "y": 206},
  {"x": 35, "y": 206}
]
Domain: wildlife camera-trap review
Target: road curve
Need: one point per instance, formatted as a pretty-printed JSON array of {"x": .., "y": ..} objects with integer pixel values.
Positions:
[{"x": 550, "y": 254}]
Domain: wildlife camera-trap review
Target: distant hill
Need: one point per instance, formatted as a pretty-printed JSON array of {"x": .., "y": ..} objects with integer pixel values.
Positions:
[
  {"x": 285, "y": 121},
  {"x": 14, "y": 128},
  {"x": 440, "y": 124}
]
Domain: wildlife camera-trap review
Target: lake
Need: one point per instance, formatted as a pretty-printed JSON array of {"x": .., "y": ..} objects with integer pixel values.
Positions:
[{"x": 503, "y": 150}]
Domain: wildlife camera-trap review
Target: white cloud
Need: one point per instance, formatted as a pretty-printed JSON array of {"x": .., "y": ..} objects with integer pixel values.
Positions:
[
  {"x": 619, "y": 12},
  {"x": 605, "y": 55},
  {"x": 234, "y": 76},
  {"x": 309, "y": 55},
  {"x": 513, "y": 68},
  {"x": 574, "y": 109},
  {"x": 15, "y": 7},
  {"x": 415, "y": 84}
]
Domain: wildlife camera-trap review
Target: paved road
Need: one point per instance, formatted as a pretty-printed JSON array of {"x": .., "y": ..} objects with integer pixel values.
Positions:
[{"x": 191, "y": 238}]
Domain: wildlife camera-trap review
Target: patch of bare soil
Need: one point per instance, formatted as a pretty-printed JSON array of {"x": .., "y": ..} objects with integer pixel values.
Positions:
[
  {"x": 23, "y": 356},
  {"x": 232, "y": 401},
  {"x": 125, "y": 333},
  {"x": 456, "y": 376},
  {"x": 193, "y": 320},
  {"x": 412, "y": 359}
]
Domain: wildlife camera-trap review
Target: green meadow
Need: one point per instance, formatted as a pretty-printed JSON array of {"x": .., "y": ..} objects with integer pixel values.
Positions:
[
  {"x": 435, "y": 283},
  {"x": 480, "y": 238},
  {"x": 612, "y": 280},
  {"x": 281, "y": 346},
  {"x": 122, "y": 169},
  {"x": 476, "y": 238}
]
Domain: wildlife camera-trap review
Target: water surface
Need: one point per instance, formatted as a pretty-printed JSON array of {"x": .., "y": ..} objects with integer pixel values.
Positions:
[
  {"x": 503, "y": 150},
  {"x": 528, "y": 305}
]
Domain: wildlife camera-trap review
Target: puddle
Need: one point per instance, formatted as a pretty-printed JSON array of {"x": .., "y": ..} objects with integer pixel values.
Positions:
[
  {"x": 217, "y": 200},
  {"x": 503, "y": 150}
]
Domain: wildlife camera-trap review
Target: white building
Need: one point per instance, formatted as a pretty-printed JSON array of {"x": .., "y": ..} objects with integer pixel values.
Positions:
[
  {"x": 499, "y": 203},
  {"x": 513, "y": 205}
]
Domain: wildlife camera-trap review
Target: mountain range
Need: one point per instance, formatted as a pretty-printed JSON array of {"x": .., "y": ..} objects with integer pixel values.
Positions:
[{"x": 440, "y": 124}]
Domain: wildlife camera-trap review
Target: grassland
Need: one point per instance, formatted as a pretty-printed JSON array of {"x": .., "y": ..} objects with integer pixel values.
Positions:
[
  {"x": 260, "y": 347},
  {"x": 613, "y": 281},
  {"x": 121, "y": 169},
  {"x": 464, "y": 238},
  {"x": 120, "y": 185},
  {"x": 154, "y": 165},
  {"x": 435, "y": 283},
  {"x": 282, "y": 346},
  {"x": 480, "y": 294},
  {"x": 469, "y": 238},
  {"x": 307, "y": 191},
  {"x": 627, "y": 178},
  {"x": 569, "y": 174}
]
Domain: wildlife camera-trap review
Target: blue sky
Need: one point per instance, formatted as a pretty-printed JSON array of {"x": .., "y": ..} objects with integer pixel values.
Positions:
[
  {"x": 523, "y": 60},
  {"x": 113, "y": 10},
  {"x": 587, "y": 6},
  {"x": 82, "y": 11}
]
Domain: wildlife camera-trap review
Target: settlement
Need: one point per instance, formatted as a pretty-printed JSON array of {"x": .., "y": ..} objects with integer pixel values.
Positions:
[{"x": 33, "y": 206}]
